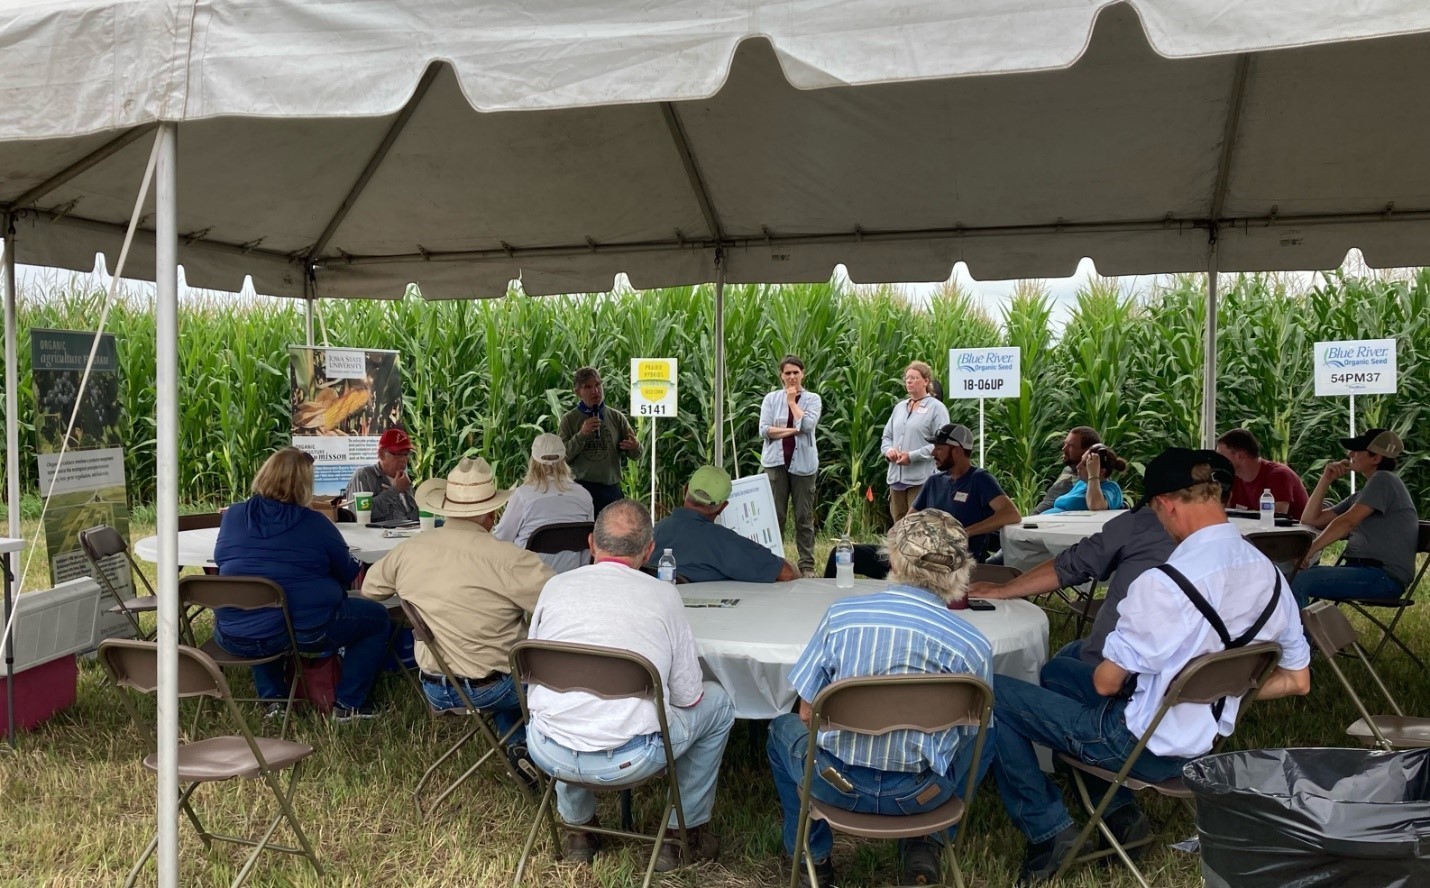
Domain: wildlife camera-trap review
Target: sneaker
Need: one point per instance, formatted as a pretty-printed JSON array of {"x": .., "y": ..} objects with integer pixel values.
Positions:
[
  {"x": 344, "y": 714},
  {"x": 823, "y": 874},
  {"x": 922, "y": 859},
  {"x": 704, "y": 845},
  {"x": 580, "y": 847},
  {"x": 275, "y": 711},
  {"x": 525, "y": 768},
  {"x": 1128, "y": 824},
  {"x": 1044, "y": 858}
]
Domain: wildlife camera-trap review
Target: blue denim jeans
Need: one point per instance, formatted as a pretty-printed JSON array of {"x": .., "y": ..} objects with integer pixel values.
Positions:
[
  {"x": 1066, "y": 715},
  {"x": 358, "y": 626},
  {"x": 498, "y": 699},
  {"x": 697, "y": 738},
  {"x": 1345, "y": 581},
  {"x": 874, "y": 792}
]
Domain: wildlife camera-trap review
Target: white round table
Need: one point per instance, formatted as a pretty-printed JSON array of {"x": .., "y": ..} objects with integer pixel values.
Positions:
[
  {"x": 196, "y": 547},
  {"x": 751, "y": 647},
  {"x": 1040, "y": 537}
]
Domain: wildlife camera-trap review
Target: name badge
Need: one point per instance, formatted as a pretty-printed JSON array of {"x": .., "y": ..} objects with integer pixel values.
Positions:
[
  {"x": 922, "y": 409},
  {"x": 961, "y": 496}
]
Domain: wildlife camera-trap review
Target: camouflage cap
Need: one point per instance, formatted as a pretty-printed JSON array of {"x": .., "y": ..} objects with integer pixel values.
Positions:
[{"x": 931, "y": 539}]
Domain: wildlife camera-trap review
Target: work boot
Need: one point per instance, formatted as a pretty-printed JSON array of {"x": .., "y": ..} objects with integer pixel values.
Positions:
[
  {"x": 922, "y": 862},
  {"x": 580, "y": 847},
  {"x": 823, "y": 874},
  {"x": 1043, "y": 859},
  {"x": 1128, "y": 824},
  {"x": 704, "y": 845}
]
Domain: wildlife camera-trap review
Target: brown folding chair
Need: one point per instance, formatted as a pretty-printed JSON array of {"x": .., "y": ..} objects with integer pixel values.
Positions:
[
  {"x": 200, "y": 521},
  {"x": 1283, "y": 547},
  {"x": 1237, "y": 672},
  {"x": 1367, "y": 606},
  {"x": 1332, "y": 634},
  {"x": 608, "y": 673},
  {"x": 570, "y": 536},
  {"x": 102, "y": 544},
  {"x": 880, "y": 704},
  {"x": 481, "y": 724},
  {"x": 134, "y": 665},
  {"x": 993, "y": 573},
  {"x": 243, "y": 593}
]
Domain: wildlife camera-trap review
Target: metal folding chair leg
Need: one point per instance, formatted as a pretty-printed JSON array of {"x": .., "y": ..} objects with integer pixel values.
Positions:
[
  {"x": 543, "y": 813},
  {"x": 1095, "y": 820},
  {"x": 1387, "y": 634}
]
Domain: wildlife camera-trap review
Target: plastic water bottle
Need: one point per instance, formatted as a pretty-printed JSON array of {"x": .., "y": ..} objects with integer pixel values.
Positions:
[
  {"x": 1268, "y": 508},
  {"x": 665, "y": 568},
  {"x": 844, "y": 564}
]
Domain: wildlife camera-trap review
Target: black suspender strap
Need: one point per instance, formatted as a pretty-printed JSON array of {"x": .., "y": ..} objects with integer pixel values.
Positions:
[{"x": 1211, "y": 616}]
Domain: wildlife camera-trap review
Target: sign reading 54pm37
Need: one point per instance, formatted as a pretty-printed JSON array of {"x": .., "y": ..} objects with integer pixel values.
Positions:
[{"x": 1355, "y": 367}]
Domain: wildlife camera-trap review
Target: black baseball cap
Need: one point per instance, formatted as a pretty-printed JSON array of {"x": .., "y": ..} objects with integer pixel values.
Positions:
[
  {"x": 1383, "y": 442},
  {"x": 1171, "y": 471},
  {"x": 953, "y": 433}
]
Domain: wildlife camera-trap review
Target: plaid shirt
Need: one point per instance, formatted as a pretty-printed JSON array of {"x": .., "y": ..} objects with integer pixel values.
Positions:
[{"x": 902, "y": 630}]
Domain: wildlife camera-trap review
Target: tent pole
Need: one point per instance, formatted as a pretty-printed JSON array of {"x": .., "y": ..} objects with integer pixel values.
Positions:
[
  {"x": 308, "y": 298},
  {"x": 1210, "y": 364},
  {"x": 12, "y": 383},
  {"x": 166, "y": 285},
  {"x": 719, "y": 357}
]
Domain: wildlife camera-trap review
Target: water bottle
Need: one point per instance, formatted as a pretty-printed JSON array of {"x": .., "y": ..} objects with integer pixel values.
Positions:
[
  {"x": 844, "y": 564},
  {"x": 665, "y": 568},
  {"x": 1268, "y": 508}
]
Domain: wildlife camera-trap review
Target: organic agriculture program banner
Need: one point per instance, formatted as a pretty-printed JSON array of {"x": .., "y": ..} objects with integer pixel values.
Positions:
[
  {"x": 342, "y": 399},
  {"x": 88, "y": 480}
]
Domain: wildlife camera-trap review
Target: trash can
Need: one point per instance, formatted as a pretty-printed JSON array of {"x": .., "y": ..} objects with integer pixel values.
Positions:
[{"x": 1272, "y": 818}]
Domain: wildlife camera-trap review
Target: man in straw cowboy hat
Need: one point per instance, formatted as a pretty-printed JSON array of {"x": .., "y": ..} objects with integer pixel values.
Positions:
[{"x": 474, "y": 590}]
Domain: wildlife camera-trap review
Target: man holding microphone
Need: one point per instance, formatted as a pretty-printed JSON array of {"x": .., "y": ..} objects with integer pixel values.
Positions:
[{"x": 598, "y": 440}]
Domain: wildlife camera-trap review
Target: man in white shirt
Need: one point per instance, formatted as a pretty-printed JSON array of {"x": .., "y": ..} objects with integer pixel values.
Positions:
[
  {"x": 1086, "y": 710},
  {"x": 576, "y": 735}
]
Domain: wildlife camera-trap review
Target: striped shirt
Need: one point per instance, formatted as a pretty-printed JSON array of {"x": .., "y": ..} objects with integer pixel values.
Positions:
[{"x": 902, "y": 630}]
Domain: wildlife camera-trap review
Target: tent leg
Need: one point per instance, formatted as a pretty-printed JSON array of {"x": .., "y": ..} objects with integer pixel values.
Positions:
[
  {"x": 12, "y": 383},
  {"x": 166, "y": 281},
  {"x": 719, "y": 358},
  {"x": 1209, "y": 367}
]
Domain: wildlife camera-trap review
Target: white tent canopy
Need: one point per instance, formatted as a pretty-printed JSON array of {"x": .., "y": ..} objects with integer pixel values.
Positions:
[
  {"x": 348, "y": 147},
  {"x": 630, "y": 137}
]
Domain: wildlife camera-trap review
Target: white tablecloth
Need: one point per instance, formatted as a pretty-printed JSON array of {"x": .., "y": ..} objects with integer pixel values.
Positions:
[
  {"x": 196, "y": 547},
  {"x": 1040, "y": 537},
  {"x": 751, "y": 647}
]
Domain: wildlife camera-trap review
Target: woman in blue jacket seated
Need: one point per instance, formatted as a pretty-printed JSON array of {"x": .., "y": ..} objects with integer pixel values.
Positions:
[
  {"x": 275, "y": 535},
  {"x": 1095, "y": 490}
]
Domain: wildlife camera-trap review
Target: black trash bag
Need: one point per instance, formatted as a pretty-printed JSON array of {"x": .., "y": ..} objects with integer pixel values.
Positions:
[{"x": 1296, "y": 818}]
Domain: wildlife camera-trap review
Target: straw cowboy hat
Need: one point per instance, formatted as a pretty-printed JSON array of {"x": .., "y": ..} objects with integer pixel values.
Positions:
[{"x": 467, "y": 491}]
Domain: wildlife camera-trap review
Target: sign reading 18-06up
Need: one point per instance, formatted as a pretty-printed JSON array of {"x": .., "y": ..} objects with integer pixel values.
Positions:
[
  {"x": 984, "y": 373},
  {"x": 1355, "y": 367},
  {"x": 653, "y": 387}
]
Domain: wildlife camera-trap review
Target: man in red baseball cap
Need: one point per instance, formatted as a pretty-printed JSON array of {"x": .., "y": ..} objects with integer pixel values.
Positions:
[{"x": 387, "y": 479}]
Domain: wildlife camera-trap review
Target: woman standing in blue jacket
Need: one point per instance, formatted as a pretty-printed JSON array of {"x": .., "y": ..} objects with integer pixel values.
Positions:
[{"x": 275, "y": 535}]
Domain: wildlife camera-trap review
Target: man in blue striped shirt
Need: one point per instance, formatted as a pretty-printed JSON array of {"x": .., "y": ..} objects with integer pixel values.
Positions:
[{"x": 905, "y": 629}]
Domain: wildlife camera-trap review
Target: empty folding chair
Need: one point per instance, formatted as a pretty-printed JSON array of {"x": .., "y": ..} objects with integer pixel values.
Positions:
[
  {"x": 134, "y": 665},
  {"x": 608, "y": 673},
  {"x": 994, "y": 573},
  {"x": 1332, "y": 634},
  {"x": 1367, "y": 607},
  {"x": 568, "y": 536},
  {"x": 1284, "y": 548},
  {"x": 244, "y": 593},
  {"x": 1236, "y": 672},
  {"x": 880, "y": 704},
  {"x": 103, "y": 543},
  {"x": 481, "y": 725}
]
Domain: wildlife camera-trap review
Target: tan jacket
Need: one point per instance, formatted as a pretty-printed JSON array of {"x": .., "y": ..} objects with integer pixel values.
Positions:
[{"x": 474, "y": 590}]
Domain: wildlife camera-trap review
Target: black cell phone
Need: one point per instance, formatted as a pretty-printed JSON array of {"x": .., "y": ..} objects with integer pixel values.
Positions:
[{"x": 978, "y": 604}]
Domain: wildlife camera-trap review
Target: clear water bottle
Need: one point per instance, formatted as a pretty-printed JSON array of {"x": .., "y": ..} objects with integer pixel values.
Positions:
[
  {"x": 665, "y": 568},
  {"x": 1268, "y": 508},
  {"x": 844, "y": 563}
]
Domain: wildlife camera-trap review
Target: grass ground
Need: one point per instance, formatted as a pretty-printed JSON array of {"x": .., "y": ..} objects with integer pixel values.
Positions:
[{"x": 76, "y": 806}]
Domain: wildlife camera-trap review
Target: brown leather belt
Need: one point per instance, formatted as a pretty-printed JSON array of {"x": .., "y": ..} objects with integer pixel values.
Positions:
[{"x": 437, "y": 678}]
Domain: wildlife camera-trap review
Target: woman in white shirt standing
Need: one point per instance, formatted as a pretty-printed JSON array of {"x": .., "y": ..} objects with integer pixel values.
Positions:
[
  {"x": 906, "y": 435},
  {"x": 548, "y": 495}
]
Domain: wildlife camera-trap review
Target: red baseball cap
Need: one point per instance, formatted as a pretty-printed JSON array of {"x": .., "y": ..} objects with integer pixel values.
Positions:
[{"x": 395, "y": 441}]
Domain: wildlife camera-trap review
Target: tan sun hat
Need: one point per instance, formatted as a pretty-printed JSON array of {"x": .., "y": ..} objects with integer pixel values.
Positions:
[{"x": 467, "y": 491}]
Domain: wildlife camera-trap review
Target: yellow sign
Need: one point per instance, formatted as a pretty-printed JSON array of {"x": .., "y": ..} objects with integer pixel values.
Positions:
[{"x": 653, "y": 386}]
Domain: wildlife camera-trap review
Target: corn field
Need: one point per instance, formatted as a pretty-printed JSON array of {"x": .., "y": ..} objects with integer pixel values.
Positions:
[{"x": 485, "y": 377}]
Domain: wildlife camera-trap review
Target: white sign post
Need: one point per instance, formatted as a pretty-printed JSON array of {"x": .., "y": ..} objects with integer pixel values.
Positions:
[
  {"x": 984, "y": 373},
  {"x": 654, "y": 386},
  {"x": 1355, "y": 367}
]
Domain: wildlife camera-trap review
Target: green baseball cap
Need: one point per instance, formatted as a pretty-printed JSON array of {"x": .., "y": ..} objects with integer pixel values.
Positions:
[{"x": 709, "y": 486}]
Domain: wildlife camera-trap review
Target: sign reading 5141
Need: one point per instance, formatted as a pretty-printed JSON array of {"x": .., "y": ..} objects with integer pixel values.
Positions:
[{"x": 653, "y": 387}]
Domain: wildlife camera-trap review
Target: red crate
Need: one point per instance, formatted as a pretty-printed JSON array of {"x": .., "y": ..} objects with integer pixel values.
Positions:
[{"x": 40, "y": 692}]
